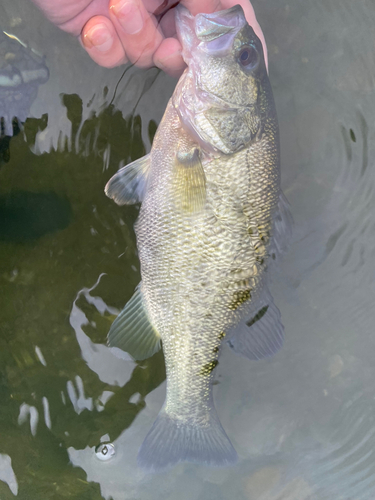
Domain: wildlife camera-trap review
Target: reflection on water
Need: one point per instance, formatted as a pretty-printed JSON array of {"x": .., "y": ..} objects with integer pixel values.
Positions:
[
  {"x": 22, "y": 70},
  {"x": 303, "y": 421}
]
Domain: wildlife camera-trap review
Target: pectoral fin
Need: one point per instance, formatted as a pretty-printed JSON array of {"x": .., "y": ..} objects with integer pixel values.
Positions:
[
  {"x": 132, "y": 331},
  {"x": 189, "y": 186},
  {"x": 260, "y": 334},
  {"x": 128, "y": 186}
]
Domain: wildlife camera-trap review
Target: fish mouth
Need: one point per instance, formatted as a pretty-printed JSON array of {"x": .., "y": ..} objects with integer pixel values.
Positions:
[
  {"x": 203, "y": 28},
  {"x": 220, "y": 22}
]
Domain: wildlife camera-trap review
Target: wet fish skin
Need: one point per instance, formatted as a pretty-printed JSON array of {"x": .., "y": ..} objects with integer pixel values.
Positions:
[{"x": 210, "y": 192}]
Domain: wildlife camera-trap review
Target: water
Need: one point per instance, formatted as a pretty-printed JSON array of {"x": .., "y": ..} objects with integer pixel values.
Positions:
[{"x": 302, "y": 422}]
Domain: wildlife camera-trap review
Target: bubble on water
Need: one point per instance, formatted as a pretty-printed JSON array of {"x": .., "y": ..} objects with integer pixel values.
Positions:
[{"x": 105, "y": 451}]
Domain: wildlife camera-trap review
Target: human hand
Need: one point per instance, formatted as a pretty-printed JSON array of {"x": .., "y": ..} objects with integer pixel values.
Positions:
[{"x": 114, "y": 32}]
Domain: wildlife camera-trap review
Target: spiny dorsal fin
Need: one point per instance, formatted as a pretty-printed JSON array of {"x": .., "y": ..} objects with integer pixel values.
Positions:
[
  {"x": 128, "y": 186},
  {"x": 132, "y": 331}
]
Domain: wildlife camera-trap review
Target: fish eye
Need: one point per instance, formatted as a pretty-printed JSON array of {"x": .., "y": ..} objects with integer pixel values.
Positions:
[{"x": 248, "y": 57}]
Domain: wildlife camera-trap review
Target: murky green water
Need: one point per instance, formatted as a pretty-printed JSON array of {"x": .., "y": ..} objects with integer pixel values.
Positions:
[
  {"x": 58, "y": 232},
  {"x": 302, "y": 422}
]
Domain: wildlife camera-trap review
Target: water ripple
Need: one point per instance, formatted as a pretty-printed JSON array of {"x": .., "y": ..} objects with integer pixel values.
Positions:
[{"x": 350, "y": 464}]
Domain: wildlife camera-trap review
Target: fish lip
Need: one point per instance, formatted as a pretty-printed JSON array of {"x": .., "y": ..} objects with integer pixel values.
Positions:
[
  {"x": 220, "y": 17},
  {"x": 192, "y": 30},
  {"x": 184, "y": 27},
  {"x": 224, "y": 16}
]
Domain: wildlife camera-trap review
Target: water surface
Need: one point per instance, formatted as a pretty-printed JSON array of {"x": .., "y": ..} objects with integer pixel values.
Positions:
[{"x": 303, "y": 421}]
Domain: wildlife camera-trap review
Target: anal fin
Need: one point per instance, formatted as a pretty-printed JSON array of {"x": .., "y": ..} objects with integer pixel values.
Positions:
[{"x": 132, "y": 331}]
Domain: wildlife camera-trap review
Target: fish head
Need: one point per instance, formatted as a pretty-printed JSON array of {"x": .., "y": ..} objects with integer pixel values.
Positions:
[{"x": 225, "y": 78}]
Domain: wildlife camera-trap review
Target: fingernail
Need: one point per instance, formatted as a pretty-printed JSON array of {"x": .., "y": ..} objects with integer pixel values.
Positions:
[
  {"x": 128, "y": 15},
  {"x": 99, "y": 37}
]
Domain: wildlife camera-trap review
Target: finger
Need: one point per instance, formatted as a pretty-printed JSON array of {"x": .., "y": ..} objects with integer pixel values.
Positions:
[
  {"x": 63, "y": 14},
  {"x": 102, "y": 43},
  {"x": 168, "y": 57},
  {"x": 137, "y": 30},
  {"x": 167, "y": 24},
  {"x": 157, "y": 6},
  {"x": 205, "y": 6}
]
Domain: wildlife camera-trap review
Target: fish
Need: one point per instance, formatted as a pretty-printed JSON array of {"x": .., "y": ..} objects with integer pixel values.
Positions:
[
  {"x": 212, "y": 221},
  {"x": 22, "y": 70}
]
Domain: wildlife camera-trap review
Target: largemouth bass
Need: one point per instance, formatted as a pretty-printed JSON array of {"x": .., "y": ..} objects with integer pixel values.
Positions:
[{"x": 212, "y": 217}]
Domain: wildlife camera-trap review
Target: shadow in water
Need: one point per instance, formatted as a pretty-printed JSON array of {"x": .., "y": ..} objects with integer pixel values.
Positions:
[{"x": 26, "y": 216}]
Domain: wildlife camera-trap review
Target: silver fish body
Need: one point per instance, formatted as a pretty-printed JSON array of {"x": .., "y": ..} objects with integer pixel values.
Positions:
[{"x": 212, "y": 214}]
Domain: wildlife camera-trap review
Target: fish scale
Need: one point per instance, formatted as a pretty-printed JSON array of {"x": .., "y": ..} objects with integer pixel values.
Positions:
[{"x": 210, "y": 192}]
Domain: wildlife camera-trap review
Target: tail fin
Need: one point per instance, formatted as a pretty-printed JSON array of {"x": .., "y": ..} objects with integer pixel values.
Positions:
[{"x": 172, "y": 440}]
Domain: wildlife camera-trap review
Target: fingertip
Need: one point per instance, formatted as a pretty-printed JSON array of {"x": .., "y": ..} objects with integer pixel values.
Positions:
[
  {"x": 101, "y": 42},
  {"x": 137, "y": 30},
  {"x": 130, "y": 15},
  {"x": 168, "y": 57},
  {"x": 205, "y": 6}
]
